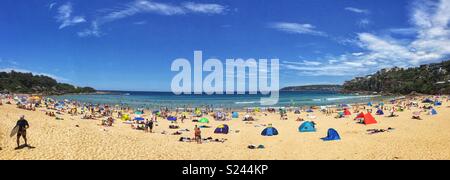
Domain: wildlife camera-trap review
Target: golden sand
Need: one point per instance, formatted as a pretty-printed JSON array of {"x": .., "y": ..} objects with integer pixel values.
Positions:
[{"x": 62, "y": 139}]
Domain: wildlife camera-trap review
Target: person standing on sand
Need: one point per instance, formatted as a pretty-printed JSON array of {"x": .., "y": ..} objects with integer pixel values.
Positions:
[
  {"x": 23, "y": 125},
  {"x": 198, "y": 134},
  {"x": 149, "y": 126}
]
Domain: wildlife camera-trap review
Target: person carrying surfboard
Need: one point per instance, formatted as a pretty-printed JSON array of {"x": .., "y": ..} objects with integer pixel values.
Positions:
[{"x": 22, "y": 125}]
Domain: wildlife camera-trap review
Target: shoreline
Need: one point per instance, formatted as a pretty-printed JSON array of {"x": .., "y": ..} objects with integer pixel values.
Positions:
[{"x": 236, "y": 106}]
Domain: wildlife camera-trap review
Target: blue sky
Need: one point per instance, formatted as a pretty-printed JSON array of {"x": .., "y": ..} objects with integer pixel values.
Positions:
[{"x": 130, "y": 44}]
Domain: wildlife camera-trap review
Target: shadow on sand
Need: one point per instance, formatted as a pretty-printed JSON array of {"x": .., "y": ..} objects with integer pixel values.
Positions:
[{"x": 24, "y": 146}]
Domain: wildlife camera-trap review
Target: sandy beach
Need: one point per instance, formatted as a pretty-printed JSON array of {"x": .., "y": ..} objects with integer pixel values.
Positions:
[{"x": 78, "y": 139}]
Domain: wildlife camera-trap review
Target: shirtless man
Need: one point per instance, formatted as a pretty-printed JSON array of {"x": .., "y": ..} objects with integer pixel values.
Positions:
[{"x": 198, "y": 134}]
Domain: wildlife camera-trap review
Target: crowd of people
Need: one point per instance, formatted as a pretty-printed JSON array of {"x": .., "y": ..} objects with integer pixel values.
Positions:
[{"x": 146, "y": 120}]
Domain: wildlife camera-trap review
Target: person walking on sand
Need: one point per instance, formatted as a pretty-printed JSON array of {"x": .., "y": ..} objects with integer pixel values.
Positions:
[
  {"x": 198, "y": 134},
  {"x": 149, "y": 126},
  {"x": 23, "y": 125}
]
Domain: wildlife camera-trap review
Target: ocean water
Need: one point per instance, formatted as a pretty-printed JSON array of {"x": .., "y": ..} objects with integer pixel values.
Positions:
[{"x": 156, "y": 100}]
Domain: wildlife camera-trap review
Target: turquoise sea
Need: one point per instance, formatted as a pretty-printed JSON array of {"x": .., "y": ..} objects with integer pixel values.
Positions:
[{"x": 154, "y": 100}]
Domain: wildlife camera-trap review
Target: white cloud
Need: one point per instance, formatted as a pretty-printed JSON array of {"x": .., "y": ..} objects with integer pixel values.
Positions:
[
  {"x": 51, "y": 5},
  {"x": 357, "y": 10},
  {"x": 93, "y": 31},
  {"x": 297, "y": 28},
  {"x": 147, "y": 6},
  {"x": 358, "y": 54},
  {"x": 305, "y": 62},
  {"x": 403, "y": 31},
  {"x": 364, "y": 22},
  {"x": 140, "y": 22},
  {"x": 429, "y": 43},
  {"x": 205, "y": 8},
  {"x": 65, "y": 16}
]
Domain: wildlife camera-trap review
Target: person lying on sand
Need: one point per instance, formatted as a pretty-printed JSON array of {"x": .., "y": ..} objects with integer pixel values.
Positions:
[
  {"x": 184, "y": 139},
  {"x": 247, "y": 117},
  {"x": 392, "y": 112},
  {"x": 23, "y": 125},
  {"x": 299, "y": 119},
  {"x": 376, "y": 131},
  {"x": 416, "y": 115},
  {"x": 177, "y": 133}
]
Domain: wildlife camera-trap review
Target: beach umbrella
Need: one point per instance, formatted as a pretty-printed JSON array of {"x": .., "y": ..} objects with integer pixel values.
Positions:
[
  {"x": 138, "y": 112},
  {"x": 126, "y": 117},
  {"x": 198, "y": 112},
  {"x": 139, "y": 119},
  {"x": 172, "y": 118}
]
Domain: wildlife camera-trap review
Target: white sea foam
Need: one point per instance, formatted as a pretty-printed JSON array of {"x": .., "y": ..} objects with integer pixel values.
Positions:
[
  {"x": 351, "y": 97},
  {"x": 248, "y": 102}
]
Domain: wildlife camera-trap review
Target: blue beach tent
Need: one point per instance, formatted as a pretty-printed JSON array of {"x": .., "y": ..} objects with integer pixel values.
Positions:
[
  {"x": 222, "y": 129},
  {"x": 380, "y": 112},
  {"x": 307, "y": 127},
  {"x": 235, "y": 115},
  {"x": 270, "y": 131},
  {"x": 434, "y": 112},
  {"x": 428, "y": 101},
  {"x": 333, "y": 135}
]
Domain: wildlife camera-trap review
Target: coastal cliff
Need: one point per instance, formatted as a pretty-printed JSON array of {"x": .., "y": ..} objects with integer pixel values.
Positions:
[
  {"x": 27, "y": 83},
  {"x": 327, "y": 88},
  {"x": 426, "y": 79}
]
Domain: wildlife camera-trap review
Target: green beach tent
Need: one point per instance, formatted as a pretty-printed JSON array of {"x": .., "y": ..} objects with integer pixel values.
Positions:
[{"x": 203, "y": 120}]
